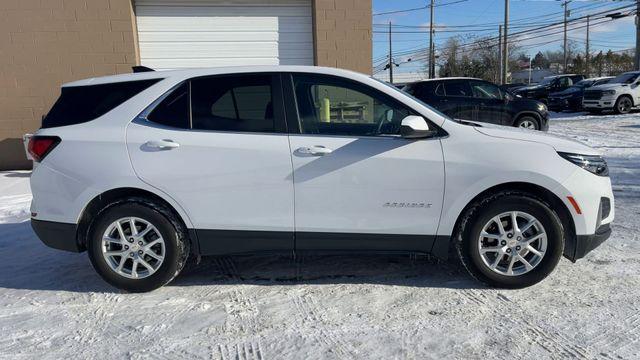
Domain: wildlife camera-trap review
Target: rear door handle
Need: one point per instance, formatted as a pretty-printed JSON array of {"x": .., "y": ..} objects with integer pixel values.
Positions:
[
  {"x": 316, "y": 150},
  {"x": 165, "y": 144}
]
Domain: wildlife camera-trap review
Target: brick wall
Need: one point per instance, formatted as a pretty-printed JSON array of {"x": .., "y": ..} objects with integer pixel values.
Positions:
[
  {"x": 44, "y": 43},
  {"x": 343, "y": 34}
]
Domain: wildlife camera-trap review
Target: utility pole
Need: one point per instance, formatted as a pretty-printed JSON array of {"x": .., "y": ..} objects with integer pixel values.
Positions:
[
  {"x": 390, "y": 57},
  {"x": 432, "y": 67},
  {"x": 566, "y": 13},
  {"x": 587, "y": 56},
  {"x": 637, "y": 62},
  {"x": 505, "y": 45},
  {"x": 500, "y": 55}
]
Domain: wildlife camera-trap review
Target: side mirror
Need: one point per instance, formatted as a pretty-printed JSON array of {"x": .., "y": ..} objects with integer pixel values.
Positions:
[
  {"x": 415, "y": 127},
  {"x": 507, "y": 97}
]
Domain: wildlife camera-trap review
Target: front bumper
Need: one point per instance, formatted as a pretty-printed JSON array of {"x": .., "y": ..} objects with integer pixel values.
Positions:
[
  {"x": 61, "y": 236},
  {"x": 604, "y": 103},
  {"x": 585, "y": 243}
]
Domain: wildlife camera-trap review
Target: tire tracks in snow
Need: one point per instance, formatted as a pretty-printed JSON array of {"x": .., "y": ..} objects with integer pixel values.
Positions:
[
  {"x": 552, "y": 340},
  {"x": 620, "y": 336},
  {"x": 245, "y": 350},
  {"x": 312, "y": 315}
]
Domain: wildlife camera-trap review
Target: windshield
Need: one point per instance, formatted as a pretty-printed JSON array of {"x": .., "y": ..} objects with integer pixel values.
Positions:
[
  {"x": 405, "y": 93},
  {"x": 626, "y": 78}
]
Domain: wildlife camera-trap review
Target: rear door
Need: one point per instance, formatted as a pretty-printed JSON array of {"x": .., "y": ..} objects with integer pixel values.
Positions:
[
  {"x": 358, "y": 184},
  {"x": 218, "y": 146}
]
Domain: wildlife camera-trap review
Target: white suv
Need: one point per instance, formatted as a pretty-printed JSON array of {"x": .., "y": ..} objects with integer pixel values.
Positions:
[
  {"x": 620, "y": 94},
  {"x": 144, "y": 170}
]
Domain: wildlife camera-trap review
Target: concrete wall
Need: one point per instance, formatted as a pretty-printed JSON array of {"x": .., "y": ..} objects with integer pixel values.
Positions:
[
  {"x": 343, "y": 34},
  {"x": 44, "y": 43}
]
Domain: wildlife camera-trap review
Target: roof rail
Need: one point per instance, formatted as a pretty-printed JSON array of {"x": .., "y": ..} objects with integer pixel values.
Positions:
[{"x": 139, "y": 69}]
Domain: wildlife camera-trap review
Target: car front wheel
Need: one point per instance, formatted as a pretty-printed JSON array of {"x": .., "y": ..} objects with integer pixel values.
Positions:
[
  {"x": 623, "y": 105},
  {"x": 137, "y": 245},
  {"x": 510, "y": 240},
  {"x": 527, "y": 122}
]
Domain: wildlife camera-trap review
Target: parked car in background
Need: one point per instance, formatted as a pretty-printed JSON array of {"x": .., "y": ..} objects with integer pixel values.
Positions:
[
  {"x": 571, "y": 98},
  {"x": 479, "y": 100},
  {"x": 547, "y": 86},
  {"x": 512, "y": 88},
  {"x": 144, "y": 170},
  {"x": 621, "y": 94}
]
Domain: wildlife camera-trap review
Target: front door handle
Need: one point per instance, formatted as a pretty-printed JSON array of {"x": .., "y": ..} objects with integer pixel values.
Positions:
[
  {"x": 316, "y": 150},
  {"x": 164, "y": 144}
]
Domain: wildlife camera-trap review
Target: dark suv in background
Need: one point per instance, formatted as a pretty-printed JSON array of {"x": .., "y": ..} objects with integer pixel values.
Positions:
[
  {"x": 480, "y": 100},
  {"x": 548, "y": 85},
  {"x": 571, "y": 97}
]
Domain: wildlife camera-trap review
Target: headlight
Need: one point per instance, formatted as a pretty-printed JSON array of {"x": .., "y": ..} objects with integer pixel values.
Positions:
[
  {"x": 542, "y": 107},
  {"x": 592, "y": 163},
  {"x": 608, "y": 92}
]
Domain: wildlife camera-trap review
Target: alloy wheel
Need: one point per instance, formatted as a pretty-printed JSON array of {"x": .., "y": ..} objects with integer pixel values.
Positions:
[
  {"x": 512, "y": 243},
  {"x": 133, "y": 247},
  {"x": 527, "y": 124},
  {"x": 624, "y": 105}
]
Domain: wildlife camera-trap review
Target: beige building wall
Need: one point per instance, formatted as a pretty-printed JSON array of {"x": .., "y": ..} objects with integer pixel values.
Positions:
[
  {"x": 44, "y": 43},
  {"x": 343, "y": 34}
]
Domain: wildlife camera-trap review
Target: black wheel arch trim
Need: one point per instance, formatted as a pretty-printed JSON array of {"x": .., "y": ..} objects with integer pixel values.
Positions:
[
  {"x": 523, "y": 113},
  {"x": 99, "y": 202},
  {"x": 538, "y": 192}
]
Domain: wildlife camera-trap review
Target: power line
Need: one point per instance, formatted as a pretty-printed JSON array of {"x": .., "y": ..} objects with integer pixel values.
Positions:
[{"x": 419, "y": 8}]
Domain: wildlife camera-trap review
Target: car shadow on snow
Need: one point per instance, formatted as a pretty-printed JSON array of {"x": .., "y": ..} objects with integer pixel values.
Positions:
[
  {"x": 413, "y": 270},
  {"x": 27, "y": 264}
]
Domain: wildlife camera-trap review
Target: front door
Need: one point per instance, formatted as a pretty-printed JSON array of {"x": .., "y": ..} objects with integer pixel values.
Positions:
[
  {"x": 459, "y": 100},
  {"x": 358, "y": 184},
  {"x": 492, "y": 107},
  {"x": 218, "y": 146}
]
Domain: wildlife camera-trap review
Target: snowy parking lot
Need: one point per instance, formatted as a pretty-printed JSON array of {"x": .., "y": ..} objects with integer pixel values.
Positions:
[{"x": 53, "y": 305}]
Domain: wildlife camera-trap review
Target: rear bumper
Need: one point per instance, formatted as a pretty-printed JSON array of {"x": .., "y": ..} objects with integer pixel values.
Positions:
[
  {"x": 585, "y": 243},
  {"x": 61, "y": 236}
]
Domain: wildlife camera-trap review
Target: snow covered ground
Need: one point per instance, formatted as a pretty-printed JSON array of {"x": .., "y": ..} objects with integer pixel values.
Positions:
[{"x": 53, "y": 305}]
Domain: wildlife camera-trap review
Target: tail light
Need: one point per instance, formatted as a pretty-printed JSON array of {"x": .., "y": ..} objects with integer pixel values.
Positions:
[{"x": 41, "y": 146}]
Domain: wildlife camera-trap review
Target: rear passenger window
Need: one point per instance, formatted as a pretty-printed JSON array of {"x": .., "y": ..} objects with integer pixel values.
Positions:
[
  {"x": 174, "y": 109},
  {"x": 233, "y": 103},
  {"x": 457, "y": 88},
  {"x": 80, "y": 104}
]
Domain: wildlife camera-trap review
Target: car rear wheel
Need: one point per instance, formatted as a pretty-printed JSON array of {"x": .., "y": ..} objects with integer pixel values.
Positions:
[
  {"x": 623, "y": 105},
  {"x": 510, "y": 240},
  {"x": 137, "y": 245},
  {"x": 527, "y": 122}
]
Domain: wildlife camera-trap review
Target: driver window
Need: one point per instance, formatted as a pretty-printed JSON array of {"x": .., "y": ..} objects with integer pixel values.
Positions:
[
  {"x": 485, "y": 91},
  {"x": 331, "y": 106},
  {"x": 565, "y": 82}
]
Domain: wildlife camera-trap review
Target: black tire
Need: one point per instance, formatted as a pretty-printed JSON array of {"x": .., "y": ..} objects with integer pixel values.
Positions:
[
  {"x": 170, "y": 227},
  {"x": 623, "y": 105},
  {"x": 481, "y": 212},
  {"x": 527, "y": 119}
]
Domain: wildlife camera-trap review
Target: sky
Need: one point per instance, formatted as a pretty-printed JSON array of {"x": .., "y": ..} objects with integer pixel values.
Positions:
[{"x": 410, "y": 31}]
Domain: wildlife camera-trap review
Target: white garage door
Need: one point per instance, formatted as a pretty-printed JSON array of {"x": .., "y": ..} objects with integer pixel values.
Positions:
[{"x": 203, "y": 33}]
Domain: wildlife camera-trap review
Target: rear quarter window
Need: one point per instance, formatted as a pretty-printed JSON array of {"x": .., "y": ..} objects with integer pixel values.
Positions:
[{"x": 80, "y": 104}]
